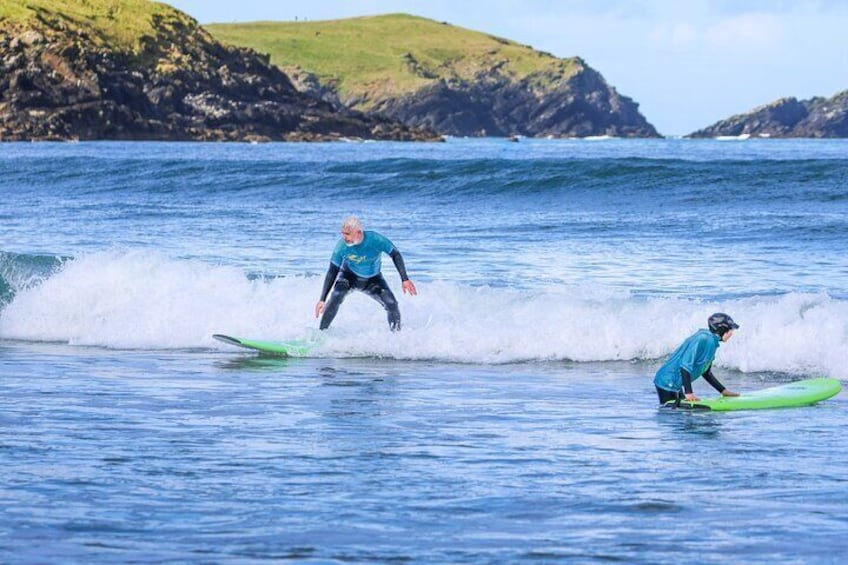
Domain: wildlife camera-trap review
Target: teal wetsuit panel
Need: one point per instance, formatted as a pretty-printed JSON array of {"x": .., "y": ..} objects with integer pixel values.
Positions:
[
  {"x": 364, "y": 258},
  {"x": 696, "y": 354}
]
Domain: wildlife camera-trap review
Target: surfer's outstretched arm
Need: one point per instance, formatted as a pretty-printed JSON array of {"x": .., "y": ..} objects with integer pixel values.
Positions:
[
  {"x": 408, "y": 285},
  {"x": 332, "y": 273},
  {"x": 687, "y": 385},
  {"x": 716, "y": 384}
]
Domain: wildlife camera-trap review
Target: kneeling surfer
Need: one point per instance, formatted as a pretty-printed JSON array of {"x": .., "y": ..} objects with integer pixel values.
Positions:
[
  {"x": 355, "y": 265},
  {"x": 694, "y": 359}
]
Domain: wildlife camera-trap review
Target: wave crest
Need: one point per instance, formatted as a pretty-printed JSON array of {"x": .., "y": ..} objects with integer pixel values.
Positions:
[{"x": 139, "y": 300}]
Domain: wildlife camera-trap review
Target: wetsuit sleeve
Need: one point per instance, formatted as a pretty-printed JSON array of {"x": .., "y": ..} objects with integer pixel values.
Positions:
[
  {"x": 399, "y": 264},
  {"x": 687, "y": 380},
  {"x": 328, "y": 280},
  {"x": 714, "y": 382}
]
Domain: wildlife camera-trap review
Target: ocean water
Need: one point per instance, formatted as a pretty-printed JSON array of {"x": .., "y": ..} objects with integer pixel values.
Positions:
[{"x": 513, "y": 420}]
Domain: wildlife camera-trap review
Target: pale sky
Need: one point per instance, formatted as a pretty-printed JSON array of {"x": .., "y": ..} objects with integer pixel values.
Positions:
[{"x": 688, "y": 63}]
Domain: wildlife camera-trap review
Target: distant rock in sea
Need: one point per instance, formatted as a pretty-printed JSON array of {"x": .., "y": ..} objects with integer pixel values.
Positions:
[
  {"x": 432, "y": 74},
  {"x": 787, "y": 117},
  {"x": 140, "y": 70}
]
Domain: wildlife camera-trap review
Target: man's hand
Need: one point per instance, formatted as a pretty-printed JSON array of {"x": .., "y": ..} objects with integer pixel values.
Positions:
[
  {"x": 726, "y": 392},
  {"x": 319, "y": 308},
  {"x": 408, "y": 287},
  {"x": 691, "y": 397}
]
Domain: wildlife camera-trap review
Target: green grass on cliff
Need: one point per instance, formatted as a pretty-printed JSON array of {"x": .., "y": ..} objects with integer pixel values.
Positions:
[
  {"x": 378, "y": 57},
  {"x": 120, "y": 24}
]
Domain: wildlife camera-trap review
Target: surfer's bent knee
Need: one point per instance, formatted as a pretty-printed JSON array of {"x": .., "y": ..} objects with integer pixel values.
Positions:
[{"x": 342, "y": 285}]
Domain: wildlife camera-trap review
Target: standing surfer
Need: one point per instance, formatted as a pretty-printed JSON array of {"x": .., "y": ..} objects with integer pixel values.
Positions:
[{"x": 355, "y": 265}]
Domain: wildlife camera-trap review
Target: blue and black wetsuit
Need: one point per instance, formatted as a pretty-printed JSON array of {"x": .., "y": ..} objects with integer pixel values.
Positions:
[
  {"x": 690, "y": 361},
  {"x": 357, "y": 267}
]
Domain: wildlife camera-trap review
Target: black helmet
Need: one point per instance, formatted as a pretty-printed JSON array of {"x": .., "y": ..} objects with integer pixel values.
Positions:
[{"x": 720, "y": 323}]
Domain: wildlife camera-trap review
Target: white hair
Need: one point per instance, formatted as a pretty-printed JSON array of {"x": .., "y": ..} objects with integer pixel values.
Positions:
[{"x": 352, "y": 223}]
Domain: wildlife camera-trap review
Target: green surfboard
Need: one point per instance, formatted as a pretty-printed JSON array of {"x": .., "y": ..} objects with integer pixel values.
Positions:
[
  {"x": 799, "y": 393},
  {"x": 294, "y": 348}
]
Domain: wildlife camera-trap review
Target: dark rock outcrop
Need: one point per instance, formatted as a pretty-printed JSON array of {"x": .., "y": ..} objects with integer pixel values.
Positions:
[
  {"x": 581, "y": 105},
  {"x": 59, "y": 80},
  {"x": 433, "y": 74},
  {"x": 787, "y": 117}
]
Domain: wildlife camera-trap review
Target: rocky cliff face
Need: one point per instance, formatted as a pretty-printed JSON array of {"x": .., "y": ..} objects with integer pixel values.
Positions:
[
  {"x": 493, "y": 104},
  {"x": 433, "y": 74},
  {"x": 59, "y": 80},
  {"x": 581, "y": 105},
  {"x": 787, "y": 117}
]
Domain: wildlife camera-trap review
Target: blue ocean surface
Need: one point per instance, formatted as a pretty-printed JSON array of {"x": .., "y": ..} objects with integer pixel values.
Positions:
[{"x": 513, "y": 420}]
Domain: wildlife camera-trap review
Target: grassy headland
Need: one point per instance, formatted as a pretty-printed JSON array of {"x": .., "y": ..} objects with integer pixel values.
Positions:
[
  {"x": 369, "y": 59},
  {"x": 138, "y": 69},
  {"x": 119, "y": 24}
]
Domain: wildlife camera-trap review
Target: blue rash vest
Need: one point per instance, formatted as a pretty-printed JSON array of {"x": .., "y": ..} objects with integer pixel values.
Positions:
[
  {"x": 696, "y": 354},
  {"x": 364, "y": 258}
]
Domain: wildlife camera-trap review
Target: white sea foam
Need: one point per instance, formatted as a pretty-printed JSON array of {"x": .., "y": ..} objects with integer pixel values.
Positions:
[{"x": 138, "y": 300}]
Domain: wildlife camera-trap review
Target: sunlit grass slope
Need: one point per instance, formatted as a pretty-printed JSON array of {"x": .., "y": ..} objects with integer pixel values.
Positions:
[
  {"x": 372, "y": 58},
  {"x": 119, "y": 24}
]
